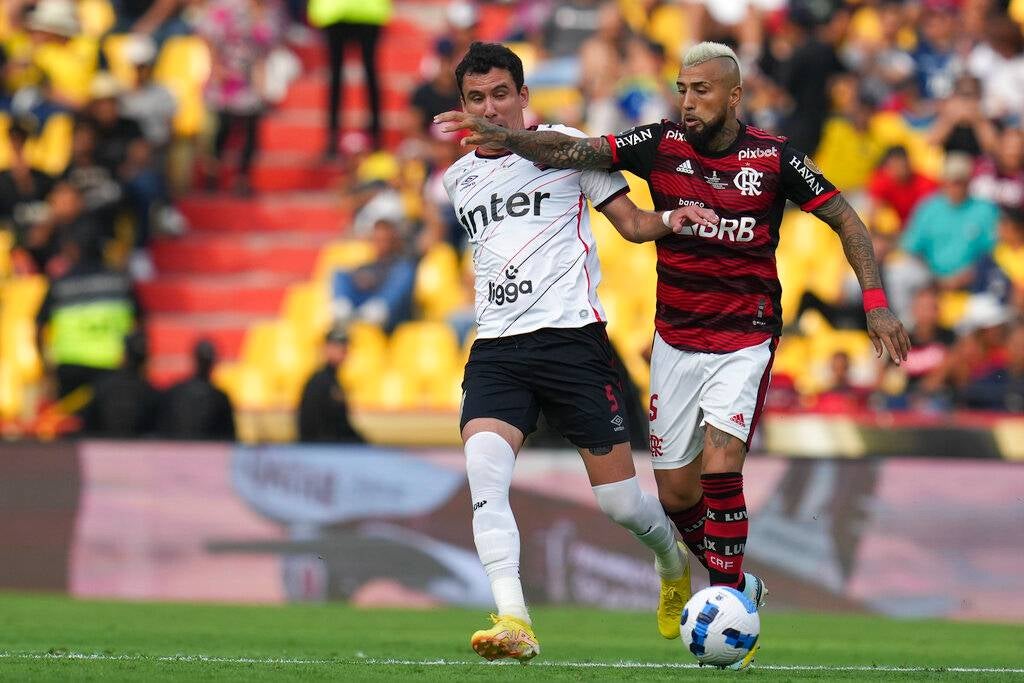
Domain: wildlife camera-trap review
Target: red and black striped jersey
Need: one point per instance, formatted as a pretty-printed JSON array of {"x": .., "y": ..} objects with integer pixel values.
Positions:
[{"x": 718, "y": 288}]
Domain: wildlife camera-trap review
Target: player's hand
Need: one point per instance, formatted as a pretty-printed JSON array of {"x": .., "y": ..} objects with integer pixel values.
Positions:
[
  {"x": 691, "y": 216},
  {"x": 886, "y": 332},
  {"x": 481, "y": 132}
]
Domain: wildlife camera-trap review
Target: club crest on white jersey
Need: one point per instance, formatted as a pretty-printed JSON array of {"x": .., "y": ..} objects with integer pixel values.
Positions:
[{"x": 534, "y": 256}]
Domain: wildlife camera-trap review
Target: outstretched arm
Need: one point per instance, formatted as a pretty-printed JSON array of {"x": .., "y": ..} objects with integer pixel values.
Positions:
[
  {"x": 637, "y": 225},
  {"x": 884, "y": 327},
  {"x": 547, "y": 147}
]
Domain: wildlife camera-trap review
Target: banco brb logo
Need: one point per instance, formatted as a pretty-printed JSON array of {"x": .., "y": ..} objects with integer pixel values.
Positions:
[{"x": 748, "y": 182}]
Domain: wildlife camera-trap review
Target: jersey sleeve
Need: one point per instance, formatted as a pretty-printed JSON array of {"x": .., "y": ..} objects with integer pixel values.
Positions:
[
  {"x": 448, "y": 180},
  {"x": 634, "y": 150},
  {"x": 803, "y": 183}
]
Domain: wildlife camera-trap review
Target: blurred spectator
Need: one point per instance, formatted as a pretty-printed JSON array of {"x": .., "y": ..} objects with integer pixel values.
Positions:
[
  {"x": 950, "y": 231},
  {"x": 805, "y": 76},
  {"x": 999, "y": 177},
  {"x": 641, "y": 95},
  {"x": 89, "y": 310},
  {"x": 23, "y": 189},
  {"x": 961, "y": 126},
  {"x": 565, "y": 30},
  {"x": 601, "y": 63},
  {"x": 351, "y": 22},
  {"x": 850, "y": 146},
  {"x": 124, "y": 404},
  {"x": 438, "y": 94},
  {"x": 1001, "y": 272},
  {"x": 241, "y": 35},
  {"x": 379, "y": 292},
  {"x": 896, "y": 185},
  {"x": 930, "y": 347},
  {"x": 934, "y": 55},
  {"x": 323, "y": 410},
  {"x": 148, "y": 103},
  {"x": 63, "y": 221},
  {"x": 999, "y": 64},
  {"x": 194, "y": 409},
  {"x": 462, "y": 21},
  {"x": 841, "y": 395},
  {"x": 101, "y": 191},
  {"x": 1003, "y": 388},
  {"x": 979, "y": 351},
  {"x": 159, "y": 19},
  {"x": 51, "y": 54}
]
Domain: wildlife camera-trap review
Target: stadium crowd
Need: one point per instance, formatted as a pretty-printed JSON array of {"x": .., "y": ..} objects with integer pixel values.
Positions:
[{"x": 912, "y": 107}]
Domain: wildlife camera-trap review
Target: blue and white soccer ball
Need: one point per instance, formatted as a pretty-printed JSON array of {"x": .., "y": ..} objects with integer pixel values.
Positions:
[{"x": 719, "y": 626}]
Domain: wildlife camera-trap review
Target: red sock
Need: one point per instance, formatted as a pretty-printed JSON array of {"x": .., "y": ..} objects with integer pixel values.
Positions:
[
  {"x": 725, "y": 530},
  {"x": 690, "y": 523}
]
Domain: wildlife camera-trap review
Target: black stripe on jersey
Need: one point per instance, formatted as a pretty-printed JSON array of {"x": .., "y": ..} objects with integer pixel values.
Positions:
[
  {"x": 541, "y": 295},
  {"x": 709, "y": 248},
  {"x": 552, "y": 236},
  {"x": 676, "y": 317},
  {"x": 699, "y": 282}
]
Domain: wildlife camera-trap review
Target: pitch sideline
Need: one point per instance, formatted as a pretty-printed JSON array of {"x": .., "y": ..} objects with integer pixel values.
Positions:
[{"x": 371, "y": 661}]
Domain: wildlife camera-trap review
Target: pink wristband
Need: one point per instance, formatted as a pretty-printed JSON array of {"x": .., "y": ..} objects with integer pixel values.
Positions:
[{"x": 874, "y": 298}]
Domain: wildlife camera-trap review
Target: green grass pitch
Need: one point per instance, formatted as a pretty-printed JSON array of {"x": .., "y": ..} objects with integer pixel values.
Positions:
[{"x": 45, "y": 638}]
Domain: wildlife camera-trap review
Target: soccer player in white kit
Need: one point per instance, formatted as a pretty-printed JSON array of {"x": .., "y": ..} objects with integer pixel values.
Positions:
[{"x": 541, "y": 342}]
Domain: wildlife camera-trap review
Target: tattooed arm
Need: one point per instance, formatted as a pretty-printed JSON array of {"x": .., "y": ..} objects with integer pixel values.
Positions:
[
  {"x": 550, "y": 148},
  {"x": 884, "y": 327}
]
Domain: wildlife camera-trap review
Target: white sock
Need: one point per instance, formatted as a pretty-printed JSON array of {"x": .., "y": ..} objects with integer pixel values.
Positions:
[
  {"x": 489, "y": 464},
  {"x": 642, "y": 515}
]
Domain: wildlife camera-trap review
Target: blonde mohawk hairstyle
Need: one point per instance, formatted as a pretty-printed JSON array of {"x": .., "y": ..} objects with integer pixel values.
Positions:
[{"x": 706, "y": 51}]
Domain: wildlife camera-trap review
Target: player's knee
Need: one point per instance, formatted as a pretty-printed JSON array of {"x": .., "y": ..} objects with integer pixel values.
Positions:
[
  {"x": 489, "y": 464},
  {"x": 677, "y": 501},
  {"x": 622, "y": 501}
]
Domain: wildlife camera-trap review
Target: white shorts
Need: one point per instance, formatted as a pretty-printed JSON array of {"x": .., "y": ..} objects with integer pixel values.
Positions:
[{"x": 691, "y": 389}]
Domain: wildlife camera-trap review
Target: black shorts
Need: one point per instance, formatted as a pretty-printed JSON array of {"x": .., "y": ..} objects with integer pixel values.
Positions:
[{"x": 569, "y": 373}]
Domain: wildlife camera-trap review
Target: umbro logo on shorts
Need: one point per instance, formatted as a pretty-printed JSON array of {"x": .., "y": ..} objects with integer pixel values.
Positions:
[
  {"x": 738, "y": 419},
  {"x": 685, "y": 167}
]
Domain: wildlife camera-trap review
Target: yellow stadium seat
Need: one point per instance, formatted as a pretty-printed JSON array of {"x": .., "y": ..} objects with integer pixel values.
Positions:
[
  {"x": 367, "y": 356},
  {"x": 424, "y": 351},
  {"x": 183, "y": 65},
  {"x": 12, "y": 393},
  {"x": 96, "y": 16},
  {"x": 253, "y": 389},
  {"x": 555, "y": 102},
  {"x": 393, "y": 390},
  {"x": 6, "y": 244},
  {"x": 670, "y": 27},
  {"x": 22, "y": 297},
  {"x": 342, "y": 255},
  {"x": 285, "y": 359},
  {"x": 18, "y": 349},
  {"x": 438, "y": 289},
  {"x": 115, "y": 50},
  {"x": 307, "y": 309},
  {"x": 50, "y": 151},
  {"x": 69, "y": 67},
  {"x": 527, "y": 54},
  {"x": 952, "y": 306}
]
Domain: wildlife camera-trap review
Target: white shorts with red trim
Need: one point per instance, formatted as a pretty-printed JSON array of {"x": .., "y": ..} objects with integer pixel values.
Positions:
[{"x": 690, "y": 390}]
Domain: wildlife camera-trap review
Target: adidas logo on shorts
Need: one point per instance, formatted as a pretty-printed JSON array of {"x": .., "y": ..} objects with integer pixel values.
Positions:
[{"x": 738, "y": 419}]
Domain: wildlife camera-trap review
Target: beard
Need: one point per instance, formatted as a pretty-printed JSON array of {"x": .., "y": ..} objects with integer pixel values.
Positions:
[{"x": 700, "y": 140}]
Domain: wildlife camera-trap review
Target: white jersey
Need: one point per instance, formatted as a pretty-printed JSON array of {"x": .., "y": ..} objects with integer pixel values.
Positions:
[{"x": 534, "y": 255}]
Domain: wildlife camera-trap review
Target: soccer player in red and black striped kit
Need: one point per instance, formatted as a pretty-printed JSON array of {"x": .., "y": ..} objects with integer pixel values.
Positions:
[{"x": 719, "y": 315}]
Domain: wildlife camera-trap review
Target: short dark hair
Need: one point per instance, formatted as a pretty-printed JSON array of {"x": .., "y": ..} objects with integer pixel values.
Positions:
[{"x": 482, "y": 57}]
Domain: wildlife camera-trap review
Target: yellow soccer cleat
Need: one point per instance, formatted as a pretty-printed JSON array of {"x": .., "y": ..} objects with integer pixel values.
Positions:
[
  {"x": 674, "y": 596},
  {"x": 510, "y": 637},
  {"x": 745, "y": 662}
]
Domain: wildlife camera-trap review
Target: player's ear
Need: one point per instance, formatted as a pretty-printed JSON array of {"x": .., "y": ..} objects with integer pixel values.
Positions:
[
  {"x": 524, "y": 97},
  {"x": 735, "y": 96}
]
